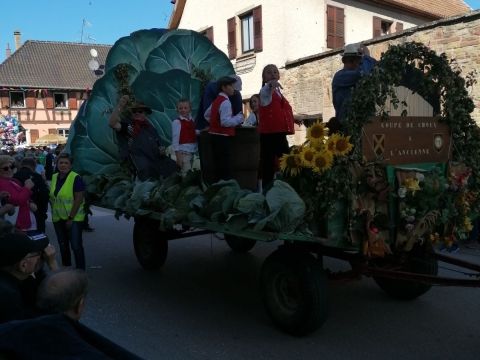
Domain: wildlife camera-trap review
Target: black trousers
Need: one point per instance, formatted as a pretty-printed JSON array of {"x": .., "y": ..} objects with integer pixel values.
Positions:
[
  {"x": 70, "y": 237},
  {"x": 272, "y": 146},
  {"x": 222, "y": 148}
]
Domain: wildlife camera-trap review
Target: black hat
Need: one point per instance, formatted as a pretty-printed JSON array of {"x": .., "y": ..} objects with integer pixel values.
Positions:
[
  {"x": 225, "y": 80},
  {"x": 140, "y": 106},
  {"x": 15, "y": 246}
]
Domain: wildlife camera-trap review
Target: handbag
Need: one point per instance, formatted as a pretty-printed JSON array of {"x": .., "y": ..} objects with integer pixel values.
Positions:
[{"x": 12, "y": 218}]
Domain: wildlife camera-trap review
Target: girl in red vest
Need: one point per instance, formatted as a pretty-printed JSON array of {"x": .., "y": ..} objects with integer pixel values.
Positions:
[
  {"x": 222, "y": 127},
  {"x": 184, "y": 136},
  {"x": 275, "y": 123}
]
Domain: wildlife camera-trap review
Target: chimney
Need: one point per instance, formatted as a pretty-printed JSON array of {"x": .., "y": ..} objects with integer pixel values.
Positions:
[
  {"x": 8, "y": 51},
  {"x": 18, "y": 40}
]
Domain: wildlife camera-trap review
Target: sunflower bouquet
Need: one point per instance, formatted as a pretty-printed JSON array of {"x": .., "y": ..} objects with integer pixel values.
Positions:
[{"x": 319, "y": 170}]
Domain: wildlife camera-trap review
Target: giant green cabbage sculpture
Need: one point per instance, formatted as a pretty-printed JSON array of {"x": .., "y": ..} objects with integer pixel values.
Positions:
[{"x": 163, "y": 66}]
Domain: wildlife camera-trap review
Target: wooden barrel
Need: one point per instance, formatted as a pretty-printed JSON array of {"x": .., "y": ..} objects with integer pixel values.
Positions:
[
  {"x": 205, "y": 152},
  {"x": 245, "y": 157}
]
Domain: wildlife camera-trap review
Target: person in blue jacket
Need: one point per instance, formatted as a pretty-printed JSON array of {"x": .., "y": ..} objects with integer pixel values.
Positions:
[{"x": 356, "y": 63}]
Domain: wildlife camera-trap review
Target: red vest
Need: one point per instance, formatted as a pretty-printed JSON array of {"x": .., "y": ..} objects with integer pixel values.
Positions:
[
  {"x": 277, "y": 117},
  {"x": 215, "y": 124},
  {"x": 187, "y": 132}
]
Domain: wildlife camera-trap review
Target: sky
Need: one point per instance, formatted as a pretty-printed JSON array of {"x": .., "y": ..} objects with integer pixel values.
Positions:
[
  {"x": 474, "y": 4},
  {"x": 62, "y": 20},
  {"x": 105, "y": 20}
]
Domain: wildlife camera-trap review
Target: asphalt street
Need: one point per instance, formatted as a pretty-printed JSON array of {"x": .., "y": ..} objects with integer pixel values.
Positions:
[{"x": 205, "y": 304}]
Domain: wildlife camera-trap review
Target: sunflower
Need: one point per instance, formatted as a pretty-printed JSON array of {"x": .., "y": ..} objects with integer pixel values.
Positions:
[
  {"x": 307, "y": 156},
  {"x": 342, "y": 145},
  {"x": 467, "y": 224},
  {"x": 295, "y": 149},
  {"x": 412, "y": 185},
  {"x": 291, "y": 164},
  {"x": 317, "y": 146},
  {"x": 317, "y": 132},
  {"x": 332, "y": 141},
  {"x": 322, "y": 161}
]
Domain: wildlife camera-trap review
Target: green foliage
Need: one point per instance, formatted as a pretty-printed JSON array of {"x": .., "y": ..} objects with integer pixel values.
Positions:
[
  {"x": 155, "y": 66},
  {"x": 177, "y": 200},
  {"x": 439, "y": 76},
  {"x": 320, "y": 192},
  {"x": 286, "y": 208}
]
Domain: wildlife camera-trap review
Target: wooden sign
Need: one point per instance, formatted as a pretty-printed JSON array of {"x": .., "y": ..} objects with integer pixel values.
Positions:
[{"x": 406, "y": 140}]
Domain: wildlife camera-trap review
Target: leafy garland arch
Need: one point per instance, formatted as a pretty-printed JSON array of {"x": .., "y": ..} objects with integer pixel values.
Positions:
[{"x": 440, "y": 76}]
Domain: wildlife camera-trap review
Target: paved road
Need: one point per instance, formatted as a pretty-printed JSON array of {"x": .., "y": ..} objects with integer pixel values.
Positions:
[{"x": 205, "y": 304}]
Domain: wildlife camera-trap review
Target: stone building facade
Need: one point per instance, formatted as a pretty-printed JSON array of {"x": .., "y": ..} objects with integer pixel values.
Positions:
[
  {"x": 255, "y": 33},
  {"x": 307, "y": 81}
]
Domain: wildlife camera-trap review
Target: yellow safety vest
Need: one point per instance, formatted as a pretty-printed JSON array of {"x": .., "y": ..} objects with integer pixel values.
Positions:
[{"x": 62, "y": 203}]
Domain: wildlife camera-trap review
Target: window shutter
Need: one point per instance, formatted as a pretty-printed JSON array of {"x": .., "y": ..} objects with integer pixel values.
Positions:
[
  {"x": 33, "y": 135},
  {"x": 340, "y": 27},
  {"x": 31, "y": 101},
  {"x": 335, "y": 27},
  {"x": 377, "y": 27},
  {"x": 257, "y": 29},
  {"x": 209, "y": 33},
  {"x": 232, "y": 38},
  {"x": 49, "y": 100},
  {"x": 399, "y": 27},
  {"x": 72, "y": 101},
  {"x": 5, "y": 99},
  {"x": 52, "y": 131}
]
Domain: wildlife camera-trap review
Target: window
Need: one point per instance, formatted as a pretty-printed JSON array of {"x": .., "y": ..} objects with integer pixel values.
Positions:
[
  {"x": 17, "y": 99},
  {"x": 251, "y": 32},
  {"x": 34, "y": 135},
  {"x": 60, "y": 100},
  {"x": 381, "y": 26},
  {"x": 208, "y": 32},
  {"x": 335, "y": 27},
  {"x": 63, "y": 132},
  {"x": 386, "y": 25},
  {"x": 247, "y": 32}
]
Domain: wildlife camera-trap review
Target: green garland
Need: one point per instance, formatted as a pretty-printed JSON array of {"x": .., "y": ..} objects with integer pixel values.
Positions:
[{"x": 440, "y": 76}]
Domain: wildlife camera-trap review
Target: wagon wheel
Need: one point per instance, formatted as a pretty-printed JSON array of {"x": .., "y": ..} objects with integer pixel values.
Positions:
[
  {"x": 239, "y": 244},
  {"x": 420, "y": 260},
  {"x": 150, "y": 244},
  {"x": 294, "y": 291}
]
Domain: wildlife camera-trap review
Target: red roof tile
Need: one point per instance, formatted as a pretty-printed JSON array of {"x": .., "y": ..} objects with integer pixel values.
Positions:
[{"x": 441, "y": 8}]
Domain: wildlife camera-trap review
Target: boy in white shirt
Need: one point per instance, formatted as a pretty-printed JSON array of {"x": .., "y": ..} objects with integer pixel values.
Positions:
[{"x": 184, "y": 136}]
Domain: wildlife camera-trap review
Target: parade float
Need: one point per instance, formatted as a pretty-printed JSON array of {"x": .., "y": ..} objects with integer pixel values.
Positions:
[{"x": 402, "y": 176}]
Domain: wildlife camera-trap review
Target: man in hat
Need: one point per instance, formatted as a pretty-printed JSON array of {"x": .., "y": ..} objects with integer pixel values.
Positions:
[
  {"x": 356, "y": 63},
  {"x": 20, "y": 258},
  {"x": 139, "y": 141}
]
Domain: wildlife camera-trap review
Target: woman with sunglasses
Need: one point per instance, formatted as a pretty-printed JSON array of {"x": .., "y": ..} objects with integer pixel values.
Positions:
[{"x": 18, "y": 195}]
